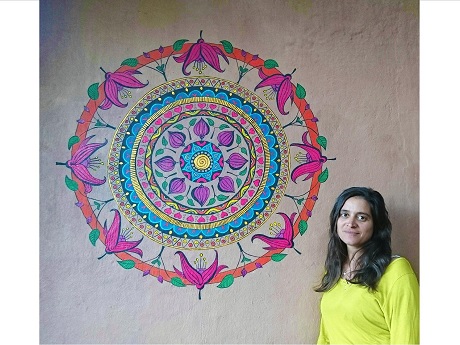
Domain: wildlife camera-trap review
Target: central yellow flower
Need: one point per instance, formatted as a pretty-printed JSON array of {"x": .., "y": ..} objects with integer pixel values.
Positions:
[{"x": 202, "y": 162}]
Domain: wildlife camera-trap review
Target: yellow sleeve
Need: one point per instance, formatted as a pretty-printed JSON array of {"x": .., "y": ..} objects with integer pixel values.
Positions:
[
  {"x": 322, "y": 339},
  {"x": 403, "y": 310}
]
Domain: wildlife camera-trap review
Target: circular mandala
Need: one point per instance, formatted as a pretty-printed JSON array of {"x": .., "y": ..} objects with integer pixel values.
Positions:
[
  {"x": 198, "y": 163},
  {"x": 171, "y": 181}
]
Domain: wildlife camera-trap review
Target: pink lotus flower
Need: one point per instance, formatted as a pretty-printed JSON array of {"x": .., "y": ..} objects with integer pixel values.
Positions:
[
  {"x": 201, "y": 53},
  {"x": 283, "y": 236},
  {"x": 116, "y": 242},
  {"x": 313, "y": 160},
  {"x": 201, "y": 275},
  {"x": 80, "y": 163},
  {"x": 280, "y": 85},
  {"x": 116, "y": 82}
]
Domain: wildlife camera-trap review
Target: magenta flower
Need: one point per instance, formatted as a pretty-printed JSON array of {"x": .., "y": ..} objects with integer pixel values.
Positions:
[
  {"x": 201, "y": 275},
  {"x": 176, "y": 139},
  {"x": 236, "y": 161},
  {"x": 280, "y": 86},
  {"x": 116, "y": 242},
  {"x": 283, "y": 237},
  {"x": 115, "y": 83},
  {"x": 201, "y": 129},
  {"x": 166, "y": 163},
  {"x": 201, "y": 53},
  {"x": 226, "y": 184},
  {"x": 177, "y": 185},
  {"x": 80, "y": 163},
  {"x": 312, "y": 161},
  {"x": 225, "y": 138},
  {"x": 200, "y": 194}
]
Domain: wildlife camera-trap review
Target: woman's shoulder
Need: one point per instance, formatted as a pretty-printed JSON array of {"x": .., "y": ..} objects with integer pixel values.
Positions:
[
  {"x": 398, "y": 266},
  {"x": 398, "y": 273}
]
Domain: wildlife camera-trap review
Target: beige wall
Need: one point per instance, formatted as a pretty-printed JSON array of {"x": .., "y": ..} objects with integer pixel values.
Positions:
[{"x": 358, "y": 61}]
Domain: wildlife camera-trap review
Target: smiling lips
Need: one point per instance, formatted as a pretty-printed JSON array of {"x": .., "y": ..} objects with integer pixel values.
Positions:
[{"x": 352, "y": 233}]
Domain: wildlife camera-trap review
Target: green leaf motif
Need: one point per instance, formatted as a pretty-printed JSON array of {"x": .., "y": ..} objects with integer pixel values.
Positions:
[
  {"x": 72, "y": 141},
  {"x": 222, "y": 197},
  {"x": 179, "y": 126},
  {"x": 160, "y": 68},
  {"x": 243, "y": 172},
  {"x": 228, "y": 47},
  {"x": 158, "y": 173},
  {"x": 132, "y": 62},
  {"x": 221, "y": 127},
  {"x": 164, "y": 185},
  {"x": 156, "y": 262},
  {"x": 71, "y": 184},
  {"x": 164, "y": 141},
  {"x": 270, "y": 63},
  {"x": 93, "y": 92},
  {"x": 93, "y": 236},
  {"x": 179, "y": 44},
  {"x": 127, "y": 264},
  {"x": 99, "y": 124},
  {"x": 323, "y": 176},
  {"x": 243, "y": 70},
  {"x": 278, "y": 257},
  {"x": 238, "y": 139},
  {"x": 239, "y": 182},
  {"x": 159, "y": 152},
  {"x": 244, "y": 151},
  {"x": 211, "y": 201},
  {"x": 245, "y": 259},
  {"x": 322, "y": 141},
  {"x": 176, "y": 281},
  {"x": 179, "y": 197},
  {"x": 303, "y": 226},
  {"x": 211, "y": 122},
  {"x": 226, "y": 282},
  {"x": 300, "y": 91},
  {"x": 190, "y": 202}
]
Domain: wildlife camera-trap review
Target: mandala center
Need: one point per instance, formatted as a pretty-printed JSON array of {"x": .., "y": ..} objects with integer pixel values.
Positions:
[{"x": 201, "y": 162}]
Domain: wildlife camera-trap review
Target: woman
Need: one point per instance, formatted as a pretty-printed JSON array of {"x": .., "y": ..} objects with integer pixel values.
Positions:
[{"x": 369, "y": 296}]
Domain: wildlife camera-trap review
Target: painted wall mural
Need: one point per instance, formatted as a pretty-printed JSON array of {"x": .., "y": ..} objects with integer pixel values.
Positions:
[{"x": 195, "y": 163}]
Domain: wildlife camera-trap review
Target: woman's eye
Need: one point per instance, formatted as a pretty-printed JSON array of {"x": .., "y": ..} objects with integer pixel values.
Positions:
[{"x": 362, "y": 218}]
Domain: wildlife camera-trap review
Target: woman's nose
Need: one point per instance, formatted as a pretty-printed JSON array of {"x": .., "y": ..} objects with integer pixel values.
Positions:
[{"x": 351, "y": 222}]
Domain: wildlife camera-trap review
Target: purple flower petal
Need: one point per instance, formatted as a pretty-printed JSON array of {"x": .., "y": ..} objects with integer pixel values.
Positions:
[
  {"x": 225, "y": 138},
  {"x": 201, "y": 129},
  {"x": 236, "y": 161},
  {"x": 176, "y": 139},
  {"x": 166, "y": 163},
  {"x": 226, "y": 184},
  {"x": 177, "y": 185},
  {"x": 200, "y": 194}
]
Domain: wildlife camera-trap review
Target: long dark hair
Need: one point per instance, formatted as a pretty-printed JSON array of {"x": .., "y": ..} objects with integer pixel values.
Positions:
[{"x": 376, "y": 253}]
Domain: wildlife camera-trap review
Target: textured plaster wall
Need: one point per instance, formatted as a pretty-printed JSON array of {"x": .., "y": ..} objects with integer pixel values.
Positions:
[{"x": 359, "y": 63}]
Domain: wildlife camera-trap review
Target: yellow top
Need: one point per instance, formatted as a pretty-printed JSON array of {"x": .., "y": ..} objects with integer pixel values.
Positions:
[{"x": 352, "y": 314}]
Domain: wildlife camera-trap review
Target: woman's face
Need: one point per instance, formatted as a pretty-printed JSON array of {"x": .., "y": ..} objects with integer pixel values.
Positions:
[{"x": 355, "y": 225}]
